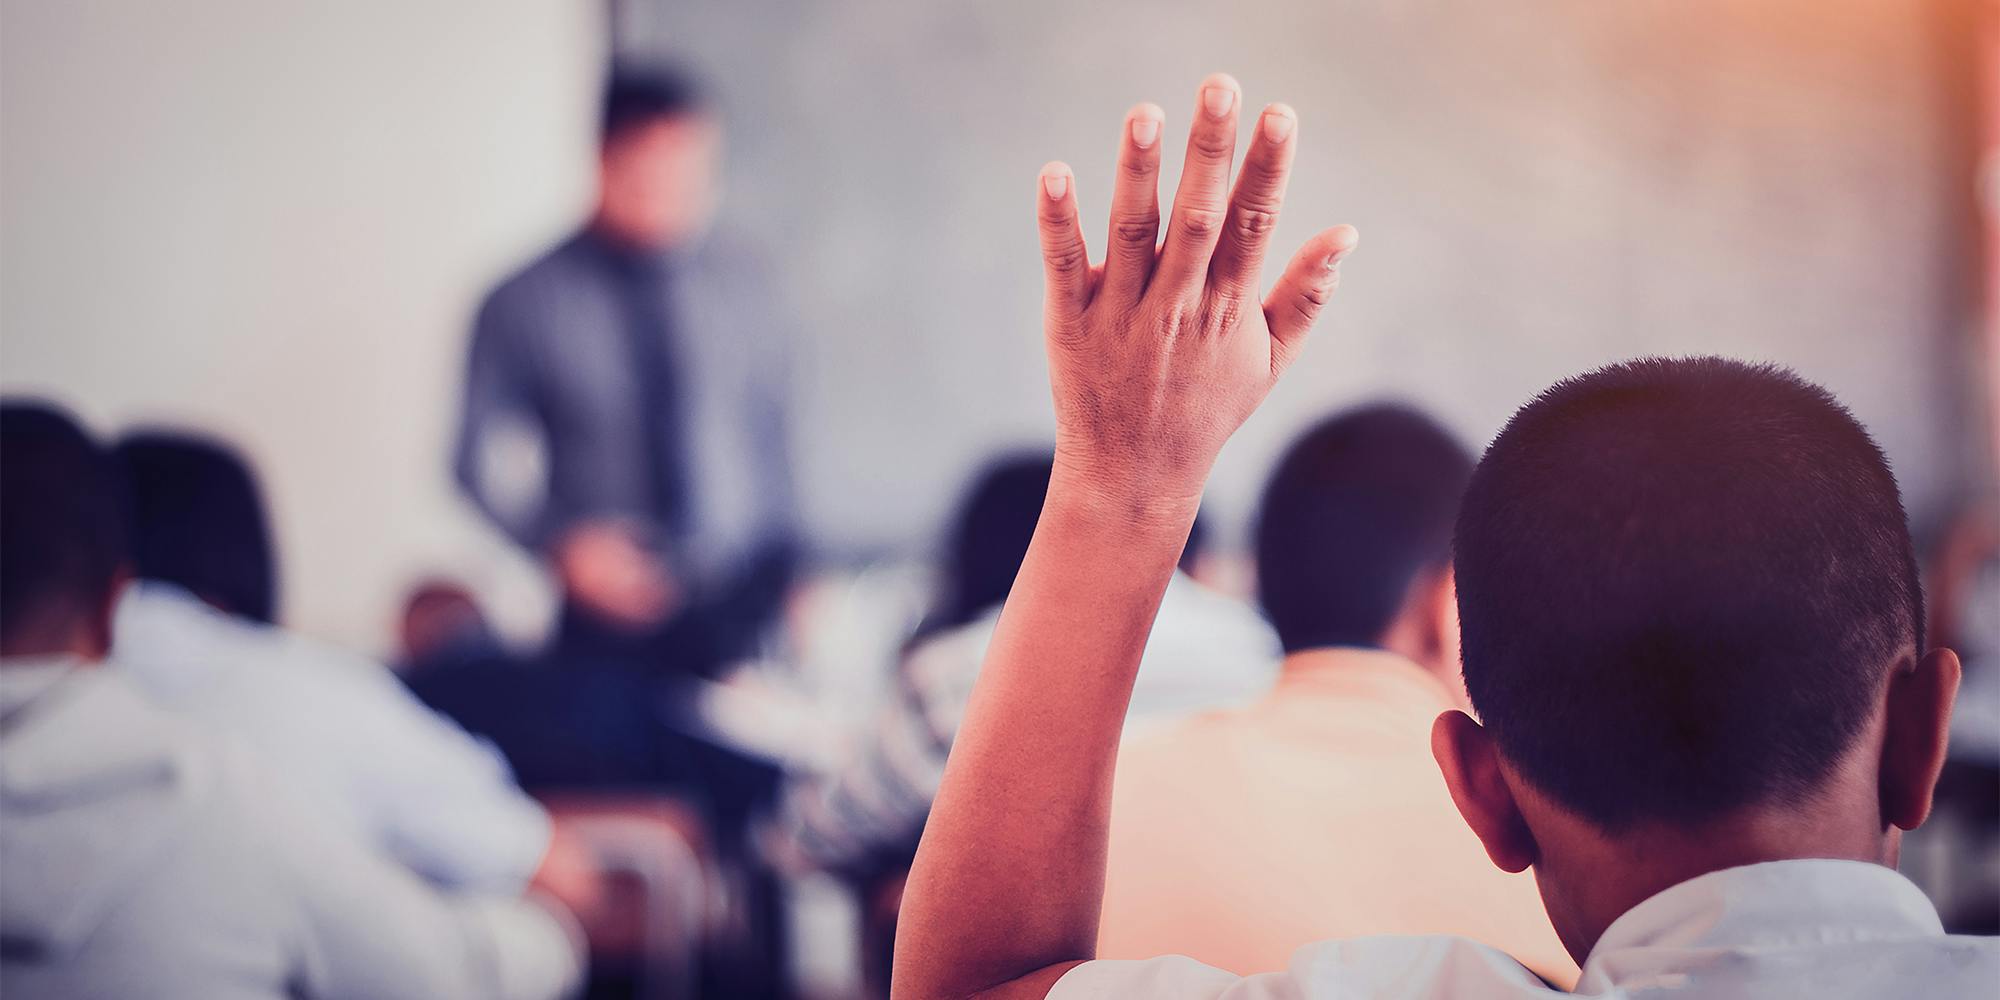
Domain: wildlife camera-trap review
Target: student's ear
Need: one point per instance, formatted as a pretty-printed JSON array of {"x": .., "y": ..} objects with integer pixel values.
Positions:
[
  {"x": 1472, "y": 771},
  {"x": 1916, "y": 732}
]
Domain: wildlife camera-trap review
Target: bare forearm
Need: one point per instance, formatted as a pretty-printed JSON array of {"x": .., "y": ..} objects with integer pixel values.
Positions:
[
  {"x": 1154, "y": 359},
  {"x": 1014, "y": 854}
]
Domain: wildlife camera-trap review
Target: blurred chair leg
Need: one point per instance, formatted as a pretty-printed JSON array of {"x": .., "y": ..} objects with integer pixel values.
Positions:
[
  {"x": 882, "y": 900},
  {"x": 646, "y": 854}
]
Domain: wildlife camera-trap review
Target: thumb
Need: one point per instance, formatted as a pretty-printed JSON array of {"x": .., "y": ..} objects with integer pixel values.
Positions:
[{"x": 1306, "y": 287}]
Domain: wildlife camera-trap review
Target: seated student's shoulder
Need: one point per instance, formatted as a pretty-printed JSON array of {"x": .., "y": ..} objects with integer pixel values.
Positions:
[
  {"x": 283, "y": 672},
  {"x": 123, "y": 817},
  {"x": 1966, "y": 966},
  {"x": 1976, "y": 960},
  {"x": 1160, "y": 748},
  {"x": 1171, "y": 740},
  {"x": 1402, "y": 967},
  {"x": 1859, "y": 965}
]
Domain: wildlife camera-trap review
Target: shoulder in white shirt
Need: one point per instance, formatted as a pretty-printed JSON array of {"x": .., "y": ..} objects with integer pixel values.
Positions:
[
  {"x": 142, "y": 857},
  {"x": 1206, "y": 650},
  {"x": 1821, "y": 929},
  {"x": 363, "y": 752}
]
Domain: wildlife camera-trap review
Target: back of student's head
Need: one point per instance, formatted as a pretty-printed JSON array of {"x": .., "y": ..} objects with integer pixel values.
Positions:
[
  {"x": 1682, "y": 585},
  {"x": 199, "y": 521},
  {"x": 989, "y": 535},
  {"x": 1359, "y": 508},
  {"x": 62, "y": 530}
]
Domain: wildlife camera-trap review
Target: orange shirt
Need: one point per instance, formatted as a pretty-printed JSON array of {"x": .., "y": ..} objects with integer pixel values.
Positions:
[{"x": 1315, "y": 813}]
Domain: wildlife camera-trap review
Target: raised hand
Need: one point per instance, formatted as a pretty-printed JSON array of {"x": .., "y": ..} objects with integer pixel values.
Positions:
[
  {"x": 1157, "y": 356},
  {"x": 1155, "y": 359}
]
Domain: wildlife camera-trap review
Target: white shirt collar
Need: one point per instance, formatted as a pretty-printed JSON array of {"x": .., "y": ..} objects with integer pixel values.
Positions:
[
  {"x": 1775, "y": 904},
  {"x": 1806, "y": 928}
]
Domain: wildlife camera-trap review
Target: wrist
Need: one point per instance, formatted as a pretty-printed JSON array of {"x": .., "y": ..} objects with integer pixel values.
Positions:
[{"x": 1122, "y": 500}]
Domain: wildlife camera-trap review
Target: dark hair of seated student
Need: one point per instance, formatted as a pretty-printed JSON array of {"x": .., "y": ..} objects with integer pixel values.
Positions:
[
  {"x": 988, "y": 539},
  {"x": 1356, "y": 517},
  {"x": 1682, "y": 586},
  {"x": 442, "y": 625},
  {"x": 62, "y": 535},
  {"x": 199, "y": 522}
]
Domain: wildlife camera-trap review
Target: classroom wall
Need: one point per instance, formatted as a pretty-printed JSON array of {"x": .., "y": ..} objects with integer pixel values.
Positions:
[{"x": 275, "y": 221}]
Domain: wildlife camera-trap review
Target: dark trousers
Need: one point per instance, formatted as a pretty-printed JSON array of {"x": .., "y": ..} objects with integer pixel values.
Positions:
[{"x": 603, "y": 711}]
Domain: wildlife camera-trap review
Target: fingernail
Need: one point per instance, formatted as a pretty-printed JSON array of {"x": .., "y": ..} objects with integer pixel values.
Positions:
[
  {"x": 1277, "y": 125},
  {"x": 1145, "y": 131},
  {"x": 1347, "y": 241},
  {"x": 1056, "y": 184},
  {"x": 1217, "y": 101}
]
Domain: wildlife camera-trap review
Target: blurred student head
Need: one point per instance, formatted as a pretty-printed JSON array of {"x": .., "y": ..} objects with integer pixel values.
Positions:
[
  {"x": 989, "y": 535},
  {"x": 442, "y": 625},
  {"x": 1693, "y": 634},
  {"x": 1354, "y": 537},
  {"x": 62, "y": 535},
  {"x": 658, "y": 153},
  {"x": 198, "y": 521},
  {"x": 988, "y": 538}
]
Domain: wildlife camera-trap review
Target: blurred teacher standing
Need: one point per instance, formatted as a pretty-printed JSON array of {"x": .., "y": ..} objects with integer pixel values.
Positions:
[{"x": 642, "y": 356}]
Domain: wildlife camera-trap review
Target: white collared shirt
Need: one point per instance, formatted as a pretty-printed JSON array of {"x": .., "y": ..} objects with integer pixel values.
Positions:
[
  {"x": 1819, "y": 929},
  {"x": 1206, "y": 650},
  {"x": 143, "y": 857}
]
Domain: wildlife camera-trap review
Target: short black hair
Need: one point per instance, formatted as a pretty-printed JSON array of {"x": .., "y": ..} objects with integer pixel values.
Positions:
[
  {"x": 1359, "y": 506},
  {"x": 1681, "y": 585},
  {"x": 198, "y": 520},
  {"x": 637, "y": 95},
  {"x": 989, "y": 536},
  {"x": 62, "y": 523}
]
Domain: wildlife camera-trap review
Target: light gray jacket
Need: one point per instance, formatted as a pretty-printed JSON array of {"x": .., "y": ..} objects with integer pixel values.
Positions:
[{"x": 141, "y": 858}]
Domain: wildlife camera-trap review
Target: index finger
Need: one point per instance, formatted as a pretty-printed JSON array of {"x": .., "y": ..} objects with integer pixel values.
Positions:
[{"x": 1065, "y": 262}]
